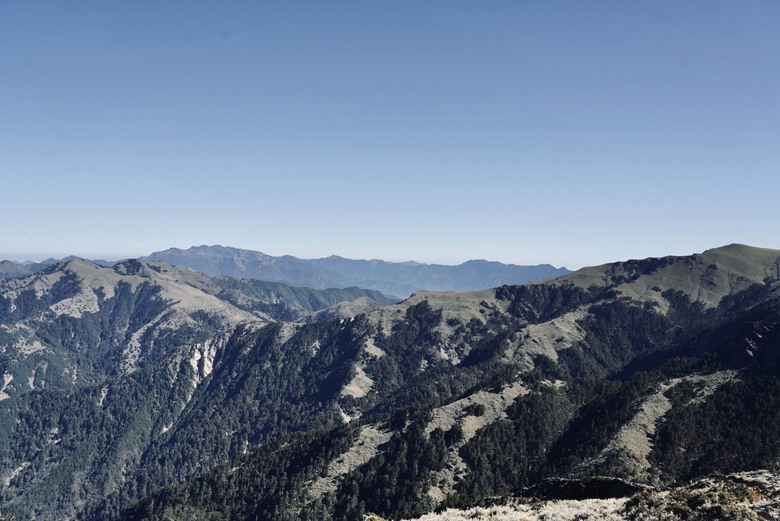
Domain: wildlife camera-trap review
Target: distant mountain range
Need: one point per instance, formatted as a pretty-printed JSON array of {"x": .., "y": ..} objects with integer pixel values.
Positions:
[
  {"x": 391, "y": 278},
  {"x": 395, "y": 279}
]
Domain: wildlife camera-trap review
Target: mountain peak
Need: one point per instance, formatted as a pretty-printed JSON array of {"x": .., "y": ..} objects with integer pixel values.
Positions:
[
  {"x": 744, "y": 251},
  {"x": 706, "y": 277},
  {"x": 73, "y": 262}
]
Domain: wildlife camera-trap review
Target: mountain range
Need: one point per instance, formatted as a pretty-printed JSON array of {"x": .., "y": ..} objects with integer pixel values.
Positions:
[
  {"x": 392, "y": 278},
  {"x": 148, "y": 391}
]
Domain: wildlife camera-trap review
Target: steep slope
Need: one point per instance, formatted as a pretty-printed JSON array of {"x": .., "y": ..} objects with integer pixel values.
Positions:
[
  {"x": 76, "y": 323},
  {"x": 391, "y": 278},
  {"x": 265, "y": 382},
  {"x": 107, "y": 391},
  {"x": 94, "y": 359},
  {"x": 653, "y": 370}
]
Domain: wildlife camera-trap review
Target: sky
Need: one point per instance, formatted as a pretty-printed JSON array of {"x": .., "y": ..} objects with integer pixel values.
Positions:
[{"x": 564, "y": 132}]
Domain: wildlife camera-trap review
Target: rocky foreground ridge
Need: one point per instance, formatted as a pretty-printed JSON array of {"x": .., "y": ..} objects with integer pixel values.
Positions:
[{"x": 744, "y": 496}]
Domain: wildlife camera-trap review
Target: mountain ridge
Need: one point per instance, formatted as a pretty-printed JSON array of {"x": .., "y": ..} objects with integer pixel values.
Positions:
[
  {"x": 401, "y": 279},
  {"x": 437, "y": 401},
  {"x": 588, "y": 373}
]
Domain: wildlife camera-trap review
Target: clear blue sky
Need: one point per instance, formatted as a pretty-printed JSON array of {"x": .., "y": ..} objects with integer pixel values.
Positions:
[{"x": 573, "y": 133}]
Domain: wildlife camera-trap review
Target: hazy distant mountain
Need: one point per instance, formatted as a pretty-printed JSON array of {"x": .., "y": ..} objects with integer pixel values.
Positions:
[
  {"x": 11, "y": 269},
  {"x": 391, "y": 278}
]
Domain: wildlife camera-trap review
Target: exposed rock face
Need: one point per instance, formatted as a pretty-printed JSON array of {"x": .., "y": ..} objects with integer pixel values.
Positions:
[
  {"x": 633, "y": 443},
  {"x": 365, "y": 448},
  {"x": 76, "y": 322},
  {"x": 737, "y": 497}
]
